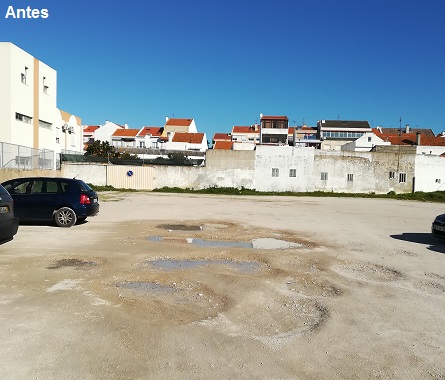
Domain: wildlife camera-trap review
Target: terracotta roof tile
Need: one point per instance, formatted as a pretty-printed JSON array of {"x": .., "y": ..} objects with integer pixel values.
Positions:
[
  {"x": 274, "y": 118},
  {"x": 90, "y": 128},
  {"x": 245, "y": 129},
  {"x": 179, "y": 122},
  {"x": 222, "y": 136},
  {"x": 191, "y": 138},
  {"x": 125, "y": 132},
  {"x": 223, "y": 145},
  {"x": 154, "y": 131},
  {"x": 409, "y": 139}
]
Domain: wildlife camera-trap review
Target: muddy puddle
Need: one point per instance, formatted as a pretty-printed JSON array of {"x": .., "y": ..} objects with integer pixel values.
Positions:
[
  {"x": 169, "y": 265},
  {"x": 260, "y": 243},
  {"x": 180, "y": 227},
  {"x": 76, "y": 263}
]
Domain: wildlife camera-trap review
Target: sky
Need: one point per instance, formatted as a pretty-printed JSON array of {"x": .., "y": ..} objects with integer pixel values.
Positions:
[{"x": 223, "y": 63}]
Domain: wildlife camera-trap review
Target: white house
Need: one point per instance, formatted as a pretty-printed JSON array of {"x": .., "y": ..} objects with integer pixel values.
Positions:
[
  {"x": 28, "y": 113},
  {"x": 105, "y": 131},
  {"x": 364, "y": 143},
  {"x": 186, "y": 141}
]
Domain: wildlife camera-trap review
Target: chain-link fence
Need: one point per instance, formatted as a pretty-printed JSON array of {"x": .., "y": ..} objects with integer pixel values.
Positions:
[{"x": 22, "y": 157}]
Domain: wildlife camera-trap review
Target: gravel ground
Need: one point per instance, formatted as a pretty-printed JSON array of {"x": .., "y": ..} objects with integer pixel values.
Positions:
[{"x": 164, "y": 286}]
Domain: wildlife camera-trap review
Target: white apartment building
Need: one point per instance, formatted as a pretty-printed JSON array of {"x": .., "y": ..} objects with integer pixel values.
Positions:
[{"x": 28, "y": 105}]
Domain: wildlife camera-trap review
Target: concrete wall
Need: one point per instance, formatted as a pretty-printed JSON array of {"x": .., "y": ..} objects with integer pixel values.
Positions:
[
  {"x": 253, "y": 170},
  {"x": 6, "y": 174},
  {"x": 284, "y": 158},
  {"x": 430, "y": 173}
]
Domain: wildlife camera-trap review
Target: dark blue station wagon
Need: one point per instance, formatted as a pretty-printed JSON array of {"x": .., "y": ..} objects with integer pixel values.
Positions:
[{"x": 62, "y": 200}]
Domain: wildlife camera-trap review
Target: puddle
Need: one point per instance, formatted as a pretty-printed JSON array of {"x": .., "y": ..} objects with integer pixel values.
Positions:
[
  {"x": 244, "y": 267},
  {"x": 72, "y": 263},
  {"x": 270, "y": 243},
  {"x": 214, "y": 243},
  {"x": 180, "y": 227},
  {"x": 146, "y": 287},
  {"x": 260, "y": 243}
]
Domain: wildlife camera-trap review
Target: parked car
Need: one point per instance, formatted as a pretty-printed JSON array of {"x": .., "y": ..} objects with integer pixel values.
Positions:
[
  {"x": 62, "y": 200},
  {"x": 438, "y": 226},
  {"x": 8, "y": 222}
]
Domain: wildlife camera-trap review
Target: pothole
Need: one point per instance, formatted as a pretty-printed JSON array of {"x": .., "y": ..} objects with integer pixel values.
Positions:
[
  {"x": 272, "y": 320},
  {"x": 271, "y": 243},
  {"x": 146, "y": 287},
  {"x": 364, "y": 271},
  {"x": 77, "y": 263},
  {"x": 180, "y": 227},
  {"x": 259, "y": 243},
  {"x": 241, "y": 266}
]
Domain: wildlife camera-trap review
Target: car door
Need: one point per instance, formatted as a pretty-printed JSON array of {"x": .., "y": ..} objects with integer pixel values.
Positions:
[
  {"x": 44, "y": 194},
  {"x": 19, "y": 190}
]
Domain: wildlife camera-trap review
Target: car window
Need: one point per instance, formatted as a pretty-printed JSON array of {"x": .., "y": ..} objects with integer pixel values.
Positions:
[
  {"x": 37, "y": 187},
  {"x": 52, "y": 187},
  {"x": 17, "y": 187},
  {"x": 65, "y": 187},
  {"x": 83, "y": 186}
]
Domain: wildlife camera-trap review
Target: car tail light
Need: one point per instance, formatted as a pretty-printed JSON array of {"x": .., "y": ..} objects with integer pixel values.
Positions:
[{"x": 84, "y": 199}]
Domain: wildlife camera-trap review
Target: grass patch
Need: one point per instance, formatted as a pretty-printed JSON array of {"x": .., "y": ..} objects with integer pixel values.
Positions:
[
  {"x": 111, "y": 188},
  {"x": 420, "y": 196},
  {"x": 437, "y": 196}
]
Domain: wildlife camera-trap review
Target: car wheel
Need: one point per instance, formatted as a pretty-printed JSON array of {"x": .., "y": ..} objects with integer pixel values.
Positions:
[{"x": 65, "y": 217}]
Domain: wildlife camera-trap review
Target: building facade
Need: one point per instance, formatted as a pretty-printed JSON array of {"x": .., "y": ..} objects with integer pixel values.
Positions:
[{"x": 29, "y": 116}]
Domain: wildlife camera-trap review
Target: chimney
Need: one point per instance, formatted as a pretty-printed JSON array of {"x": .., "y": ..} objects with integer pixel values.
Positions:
[
  {"x": 126, "y": 126},
  {"x": 418, "y": 138},
  {"x": 407, "y": 128},
  {"x": 166, "y": 119}
]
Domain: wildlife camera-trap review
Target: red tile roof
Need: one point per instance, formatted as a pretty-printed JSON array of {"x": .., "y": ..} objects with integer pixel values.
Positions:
[
  {"x": 244, "y": 129},
  {"x": 191, "y": 138},
  {"x": 91, "y": 128},
  {"x": 154, "y": 131},
  {"x": 179, "y": 122},
  {"x": 125, "y": 132},
  {"x": 223, "y": 145},
  {"x": 274, "y": 118},
  {"x": 222, "y": 136},
  {"x": 410, "y": 139}
]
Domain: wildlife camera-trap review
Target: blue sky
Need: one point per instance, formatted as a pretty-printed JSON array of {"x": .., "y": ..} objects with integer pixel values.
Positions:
[{"x": 225, "y": 62}]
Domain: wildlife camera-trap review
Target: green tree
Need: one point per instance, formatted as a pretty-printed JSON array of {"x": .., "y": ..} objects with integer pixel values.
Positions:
[{"x": 101, "y": 149}]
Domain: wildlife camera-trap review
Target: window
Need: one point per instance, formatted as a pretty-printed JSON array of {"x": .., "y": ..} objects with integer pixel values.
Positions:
[
  {"x": 437, "y": 180},
  {"x": 37, "y": 187},
  {"x": 275, "y": 172},
  {"x": 369, "y": 139},
  {"x": 392, "y": 175},
  {"x": 57, "y": 140},
  {"x": 45, "y": 87},
  {"x": 24, "y": 75},
  {"x": 324, "y": 176},
  {"x": 292, "y": 172},
  {"x": 44, "y": 124},
  {"x": 402, "y": 177},
  {"x": 350, "y": 177},
  {"x": 24, "y": 118}
]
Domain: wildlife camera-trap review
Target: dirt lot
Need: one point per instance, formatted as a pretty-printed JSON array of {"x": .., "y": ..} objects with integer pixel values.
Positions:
[{"x": 356, "y": 291}]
